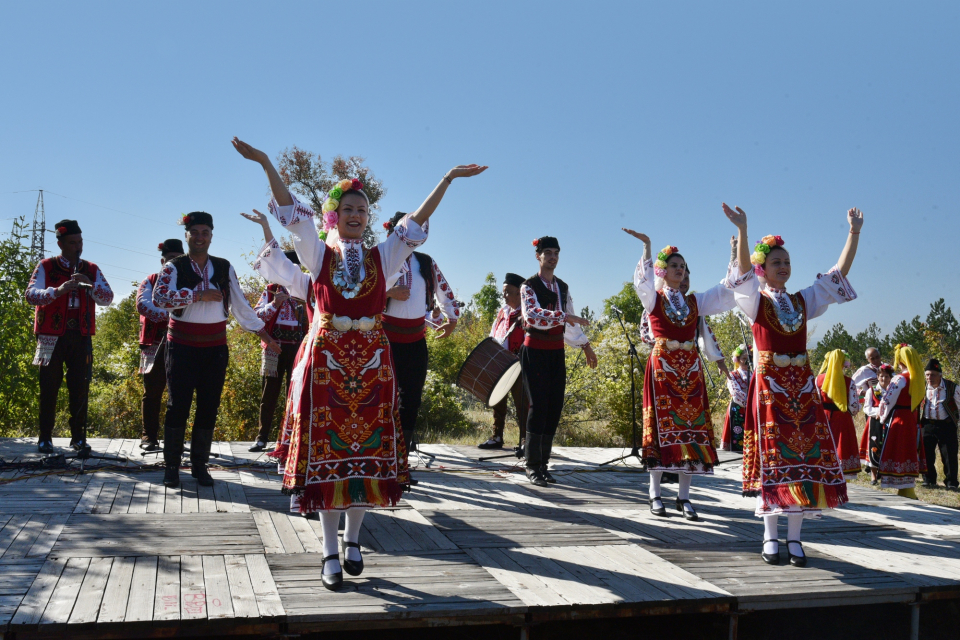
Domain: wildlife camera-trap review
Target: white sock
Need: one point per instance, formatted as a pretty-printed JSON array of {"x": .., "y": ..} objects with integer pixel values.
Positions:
[
  {"x": 655, "y": 488},
  {"x": 330, "y": 525},
  {"x": 684, "y": 491},
  {"x": 794, "y": 522},
  {"x": 294, "y": 503},
  {"x": 770, "y": 533},
  {"x": 351, "y": 531}
]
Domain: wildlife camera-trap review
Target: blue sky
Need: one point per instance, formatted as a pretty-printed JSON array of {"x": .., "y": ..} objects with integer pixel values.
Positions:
[{"x": 592, "y": 116}]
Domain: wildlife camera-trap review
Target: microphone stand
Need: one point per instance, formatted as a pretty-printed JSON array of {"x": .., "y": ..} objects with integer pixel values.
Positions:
[{"x": 634, "y": 358}]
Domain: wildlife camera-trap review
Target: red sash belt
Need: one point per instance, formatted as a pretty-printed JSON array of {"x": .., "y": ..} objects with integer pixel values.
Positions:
[
  {"x": 196, "y": 334},
  {"x": 404, "y": 330},
  {"x": 551, "y": 339}
]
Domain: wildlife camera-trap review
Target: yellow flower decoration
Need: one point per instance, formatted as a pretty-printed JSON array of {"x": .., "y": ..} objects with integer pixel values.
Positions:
[
  {"x": 758, "y": 258},
  {"x": 330, "y": 205}
]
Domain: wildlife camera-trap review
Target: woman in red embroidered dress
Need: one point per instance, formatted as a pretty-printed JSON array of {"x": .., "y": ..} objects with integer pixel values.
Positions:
[
  {"x": 871, "y": 440},
  {"x": 346, "y": 452},
  {"x": 841, "y": 401},
  {"x": 902, "y": 458},
  {"x": 789, "y": 455},
  {"x": 677, "y": 430}
]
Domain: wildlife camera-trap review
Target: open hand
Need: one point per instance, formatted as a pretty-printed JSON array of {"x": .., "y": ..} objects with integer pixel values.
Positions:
[
  {"x": 466, "y": 171},
  {"x": 722, "y": 366},
  {"x": 572, "y": 320},
  {"x": 248, "y": 152},
  {"x": 447, "y": 328},
  {"x": 257, "y": 217},
  {"x": 738, "y": 217},
  {"x": 642, "y": 237},
  {"x": 591, "y": 356},
  {"x": 855, "y": 218},
  {"x": 272, "y": 345}
]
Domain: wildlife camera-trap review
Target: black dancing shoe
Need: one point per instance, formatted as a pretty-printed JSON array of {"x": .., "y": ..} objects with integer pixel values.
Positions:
[
  {"x": 258, "y": 446},
  {"x": 311, "y": 515},
  {"x": 536, "y": 477},
  {"x": 657, "y": 511},
  {"x": 45, "y": 446},
  {"x": 771, "y": 558},
  {"x": 689, "y": 514},
  {"x": 547, "y": 475},
  {"x": 150, "y": 445},
  {"x": 496, "y": 442},
  {"x": 171, "y": 477},
  {"x": 332, "y": 581},
  {"x": 797, "y": 561},
  {"x": 353, "y": 567}
]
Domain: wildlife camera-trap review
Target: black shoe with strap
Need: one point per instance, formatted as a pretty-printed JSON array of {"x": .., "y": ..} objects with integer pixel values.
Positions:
[
  {"x": 332, "y": 581},
  {"x": 536, "y": 477},
  {"x": 45, "y": 446},
  {"x": 258, "y": 446},
  {"x": 771, "y": 558},
  {"x": 353, "y": 567},
  {"x": 660, "y": 511},
  {"x": 797, "y": 561},
  {"x": 689, "y": 514}
]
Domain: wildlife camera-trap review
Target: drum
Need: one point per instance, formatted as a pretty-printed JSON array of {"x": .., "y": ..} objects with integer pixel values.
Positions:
[{"x": 489, "y": 372}]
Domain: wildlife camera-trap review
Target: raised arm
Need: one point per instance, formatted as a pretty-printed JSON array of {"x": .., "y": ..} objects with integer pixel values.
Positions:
[
  {"x": 855, "y": 218},
  {"x": 739, "y": 219},
  {"x": 425, "y": 210},
  {"x": 643, "y": 276},
  {"x": 264, "y": 223},
  {"x": 279, "y": 189}
]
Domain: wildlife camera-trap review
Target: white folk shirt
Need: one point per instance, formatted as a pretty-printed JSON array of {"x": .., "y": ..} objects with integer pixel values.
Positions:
[
  {"x": 266, "y": 308},
  {"x": 863, "y": 376},
  {"x": 550, "y": 317},
  {"x": 274, "y": 266},
  {"x": 737, "y": 384},
  {"x": 936, "y": 396},
  {"x": 146, "y": 306},
  {"x": 416, "y": 306},
  {"x": 39, "y": 294},
  {"x": 166, "y": 296}
]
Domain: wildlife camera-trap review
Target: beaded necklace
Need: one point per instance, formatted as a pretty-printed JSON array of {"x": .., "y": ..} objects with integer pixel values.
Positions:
[
  {"x": 347, "y": 275},
  {"x": 790, "y": 319}
]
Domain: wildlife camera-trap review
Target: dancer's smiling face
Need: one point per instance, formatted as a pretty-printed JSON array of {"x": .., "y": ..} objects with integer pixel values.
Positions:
[
  {"x": 354, "y": 214},
  {"x": 549, "y": 258},
  {"x": 777, "y": 267}
]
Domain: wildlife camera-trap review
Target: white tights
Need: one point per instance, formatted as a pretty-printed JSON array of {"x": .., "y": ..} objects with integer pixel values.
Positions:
[
  {"x": 330, "y": 525},
  {"x": 794, "y": 523},
  {"x": 683, "y": 491}
]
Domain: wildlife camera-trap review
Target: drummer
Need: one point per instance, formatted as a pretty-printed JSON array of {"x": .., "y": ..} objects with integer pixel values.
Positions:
[
  {"x": 507, "y": 330},
  {"x": 413, "y": 294},
  {"x": 546, "y": 304}
]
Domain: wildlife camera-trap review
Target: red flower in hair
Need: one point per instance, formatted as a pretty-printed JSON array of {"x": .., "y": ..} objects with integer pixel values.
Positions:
[
  {"x": 185, "y": 220},
  {"x": 61, "y": 230},
  {"x": 356, "y": 185},
  {"x": 536, "y": 242},
  {"x": 779, "y": 240},
  {"x": 160, "y": 247},
  {"x": 386, "y": 225}
]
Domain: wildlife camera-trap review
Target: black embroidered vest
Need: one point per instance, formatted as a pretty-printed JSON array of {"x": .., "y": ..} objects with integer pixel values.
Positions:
[
  {"x": 546, "y": 297},
  {"x": 187, "y": 278}
]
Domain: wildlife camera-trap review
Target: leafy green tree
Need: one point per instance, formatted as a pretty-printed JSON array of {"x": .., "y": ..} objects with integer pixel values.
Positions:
[
  {"x": 910, "y": 332},
  {"x": 628, "y": 302},
  {"x": 486, "y": 302}
]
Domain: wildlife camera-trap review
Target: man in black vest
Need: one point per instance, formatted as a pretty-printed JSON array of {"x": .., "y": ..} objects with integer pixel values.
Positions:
[
  {"x": 200, "y": 291},
  {"x": 938, "y": 420},
  {"x": 545, "y": 301}
]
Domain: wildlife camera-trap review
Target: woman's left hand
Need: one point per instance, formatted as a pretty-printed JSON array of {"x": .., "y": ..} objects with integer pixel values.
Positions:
[
  {"x": 591, "y": 356},
  {"x": 466, "y": 171},
  {"x": 855, "y": 218}
]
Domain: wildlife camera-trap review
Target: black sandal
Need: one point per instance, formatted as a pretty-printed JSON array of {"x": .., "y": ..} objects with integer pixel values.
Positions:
[
  {"x": 661, "y": 512},
  {"x": 797, "y": 561},
  {"x": 689, "y": 515},
  {"x": 331, "y": 581},
  {"x": 353, "y": 567},
  {"x": 771, "y": 558}
]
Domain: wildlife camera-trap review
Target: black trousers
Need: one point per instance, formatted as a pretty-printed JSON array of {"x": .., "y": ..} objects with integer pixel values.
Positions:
[
  {"x": 192, "y": 369},
  {"x": 521, "y": 405},
  {"x": 270, "y": 388},
  {"x": 942, "y": 435},
  {"x": 410, "y": 360},
  {"x": 154, "y": 383},
  {"x": 545, "y": 381},
  {"x": 76, "y": 353}
]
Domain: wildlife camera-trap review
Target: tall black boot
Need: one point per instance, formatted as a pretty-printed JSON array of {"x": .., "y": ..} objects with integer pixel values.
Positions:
[
  {"x": 172, "y": 453},
  {"x": 199, "y": 455},
  {"x": 534, "y": 455},
  {"x": 547, "y": 448}
]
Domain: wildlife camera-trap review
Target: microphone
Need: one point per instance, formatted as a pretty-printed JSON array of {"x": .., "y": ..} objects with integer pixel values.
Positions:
[{"x": 616, "y": 308}]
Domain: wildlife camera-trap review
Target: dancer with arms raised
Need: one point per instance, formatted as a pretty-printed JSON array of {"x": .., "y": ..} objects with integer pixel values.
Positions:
[
  {"x": 789, "y": 456},
  {"x": 346, "y": 452}
]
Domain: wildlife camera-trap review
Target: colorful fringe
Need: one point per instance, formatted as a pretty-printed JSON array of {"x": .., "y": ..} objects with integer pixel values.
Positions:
[
  {"x": 343, "y": 494},
  {"x": 810, "y": 495}
]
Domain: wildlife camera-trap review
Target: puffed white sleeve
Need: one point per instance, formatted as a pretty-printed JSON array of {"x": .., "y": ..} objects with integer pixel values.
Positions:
[
  {"x": 889, "y": 400},
  {"x": 406, "y": 237},
  {"x": 101, "y": 292},
  {"x": 145, "y": 305},
  {"x": 644, "y": 283},
  {"x": 853, "y": 399},
  {"x": 746, "y": 290},
  {"x": 240, "y": 308},
  {"x": 536, "y": 316},
  {"x": 870, "y": 407},
  {"x": 714, "y": 300},
  {"x": 573, "y": 335},
  {"x": 708, "y": 342},
  {"x": 298, "y": 219},
  {"x": 275, "y": 267},
  {"x": 443, "y": 293},
  {"x": 829, "y": 288}
]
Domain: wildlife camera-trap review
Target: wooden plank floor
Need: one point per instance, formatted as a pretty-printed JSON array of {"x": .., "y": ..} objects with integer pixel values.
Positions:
[{"x": 113, "y": 552}]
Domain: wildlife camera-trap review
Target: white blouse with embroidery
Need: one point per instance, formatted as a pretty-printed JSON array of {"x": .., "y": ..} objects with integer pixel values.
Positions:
[{"x": 416, "y": 305}]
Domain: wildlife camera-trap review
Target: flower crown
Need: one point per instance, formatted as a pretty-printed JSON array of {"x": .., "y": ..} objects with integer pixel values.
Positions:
[
  {"x": 759, "y": 256},
  {"x": 740, "y": 349},
  {"x": 886, "y": 368},
  {"x": 660, "y": 266},
  {"x": 329, "y": 208}
]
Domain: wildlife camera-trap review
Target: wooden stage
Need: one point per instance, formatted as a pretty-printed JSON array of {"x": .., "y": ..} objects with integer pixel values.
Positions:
[{"x": 114, "y": 554}]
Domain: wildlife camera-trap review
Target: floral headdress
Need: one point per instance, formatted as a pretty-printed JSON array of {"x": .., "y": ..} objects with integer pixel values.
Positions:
[
  {"x": 740, "y": 349},
  {"x": 660, "y": 266},
  {"x": 759, "y": 256},
  {"x": 329, "y": 208}
]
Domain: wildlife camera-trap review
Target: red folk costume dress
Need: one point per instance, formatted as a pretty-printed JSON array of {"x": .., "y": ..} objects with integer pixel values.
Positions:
[
  {"x": 842, "y": 427},
  {"x": 677, "y": 429},
  {"x": 273, "y": 266},
  {"x": 789, "y": 455},
  {"x": 731, "y": 439},
  {"x": 345, "y": 449},
  {"x": 902, "y": 457},
  {"x": 871, "y": 440}
]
